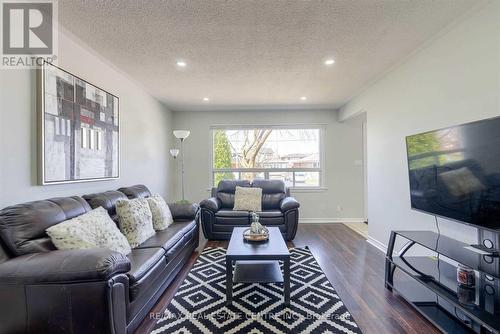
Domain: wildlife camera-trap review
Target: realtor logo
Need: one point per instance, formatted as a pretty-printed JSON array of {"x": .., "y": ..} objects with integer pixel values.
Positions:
[{"x": 27, "y": 30}]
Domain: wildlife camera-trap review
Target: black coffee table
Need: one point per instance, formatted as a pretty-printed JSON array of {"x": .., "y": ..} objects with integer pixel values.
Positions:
[{"x": 257, "y": 262}]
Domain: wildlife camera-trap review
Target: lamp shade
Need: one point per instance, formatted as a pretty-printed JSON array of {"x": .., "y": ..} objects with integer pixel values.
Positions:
[
  {"x": 181, "y": 134},
  {"x": 174, "y": 152}
]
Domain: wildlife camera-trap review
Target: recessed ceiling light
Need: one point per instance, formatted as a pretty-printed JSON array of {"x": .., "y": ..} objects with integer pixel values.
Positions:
[
  {"x": 206, "y": 99},
  {"x": 303, "y": 98},
  {"x": 181, "y": 63},
  {"x": 329, "y": 62}
]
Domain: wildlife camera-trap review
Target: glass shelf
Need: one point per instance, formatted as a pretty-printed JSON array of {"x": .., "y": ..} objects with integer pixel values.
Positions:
[
  {"x": 454, "y": 250},
  {"x": 440, "y": 278},
  {"x": 424, "y": 301}
]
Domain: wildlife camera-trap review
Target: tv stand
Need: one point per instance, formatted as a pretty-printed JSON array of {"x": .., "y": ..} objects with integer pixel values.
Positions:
[
  {"x": 483, "y": 250},
  {"x": 429, "y": 283}
]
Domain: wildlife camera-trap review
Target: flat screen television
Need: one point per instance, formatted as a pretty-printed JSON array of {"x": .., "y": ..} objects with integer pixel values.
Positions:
[{"x": 455, "y": 173}]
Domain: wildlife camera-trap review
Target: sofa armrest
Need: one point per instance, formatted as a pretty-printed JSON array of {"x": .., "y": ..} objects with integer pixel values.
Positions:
[
  {"x": 95, "y": 264},
  {"x": 212, "y": 204},
  {"x": 184, "y": 211},
  {"x": 289, "y": 203}
]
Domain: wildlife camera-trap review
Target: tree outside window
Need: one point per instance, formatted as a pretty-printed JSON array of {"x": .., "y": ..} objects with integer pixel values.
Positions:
[{"x": 222, "y": 156}]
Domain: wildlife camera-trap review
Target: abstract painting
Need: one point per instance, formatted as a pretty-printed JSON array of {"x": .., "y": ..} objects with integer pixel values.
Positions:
[{"x": 79, "y": 129}]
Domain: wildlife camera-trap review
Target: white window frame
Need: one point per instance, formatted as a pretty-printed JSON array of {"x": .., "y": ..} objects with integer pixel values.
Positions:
[{"x": 266, "y": 171}]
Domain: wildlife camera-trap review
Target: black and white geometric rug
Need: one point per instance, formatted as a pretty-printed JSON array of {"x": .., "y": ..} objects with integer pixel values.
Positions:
[{"x": 199, "y": 305}]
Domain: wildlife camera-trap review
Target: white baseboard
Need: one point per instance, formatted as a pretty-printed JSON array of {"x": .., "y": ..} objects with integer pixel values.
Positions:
[
  {"x": 374, "y": 242},
  {"x": 377, "y": 244},
  {"x": 331, "y": 220}
]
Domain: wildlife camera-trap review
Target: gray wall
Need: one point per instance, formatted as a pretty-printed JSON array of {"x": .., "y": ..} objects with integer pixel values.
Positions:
[
  {"x": 343, "y": 146},
  {"x": 145, "y": 129},
  {"x": 453, "y": 79}
]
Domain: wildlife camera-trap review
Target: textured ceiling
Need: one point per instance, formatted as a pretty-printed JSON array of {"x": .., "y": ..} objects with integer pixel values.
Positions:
[{"x": 257, "y": 54}]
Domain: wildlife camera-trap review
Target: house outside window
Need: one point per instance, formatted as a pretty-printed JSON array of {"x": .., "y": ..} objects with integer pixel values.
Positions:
[{"x": 293, "y": 154}]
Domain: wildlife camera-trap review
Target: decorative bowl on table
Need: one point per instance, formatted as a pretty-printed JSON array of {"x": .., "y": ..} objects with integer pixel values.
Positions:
[
  {"x": 249, "y": 236},
  {"x": 256, "y": 232}
]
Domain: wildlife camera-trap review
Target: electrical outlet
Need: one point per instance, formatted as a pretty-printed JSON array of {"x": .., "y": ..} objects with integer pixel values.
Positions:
[{"x": 339, "y": 208}]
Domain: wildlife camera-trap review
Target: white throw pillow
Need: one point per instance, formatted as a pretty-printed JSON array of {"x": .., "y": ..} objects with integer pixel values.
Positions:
[
  {"x": 248, "y": 199},
  {"x": 94, "y": 229},
  {"x": 135, "y": 220},
  {"x": 162, "y": 217}
]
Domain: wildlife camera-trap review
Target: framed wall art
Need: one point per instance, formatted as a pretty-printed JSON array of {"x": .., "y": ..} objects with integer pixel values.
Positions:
[{"x": 79, "y": 129}]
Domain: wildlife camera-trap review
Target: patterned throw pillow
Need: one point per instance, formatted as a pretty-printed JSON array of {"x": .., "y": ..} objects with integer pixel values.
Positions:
[
  {"x": 248, "y": 199},
  {"x": 162, "y": 217},
  {"x": 135, "y": 219},
  {"x": 94, "y": 229}
]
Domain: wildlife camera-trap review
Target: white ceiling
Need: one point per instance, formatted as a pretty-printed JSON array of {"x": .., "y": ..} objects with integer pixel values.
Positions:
[{"x": 257, "y": 54}]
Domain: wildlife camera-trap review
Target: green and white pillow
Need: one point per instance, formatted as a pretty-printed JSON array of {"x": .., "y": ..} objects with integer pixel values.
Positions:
[
  {"x": 135, "y": 220},
  {"x": 162, "y": 217},
  {"x": 94, "y": 229}
]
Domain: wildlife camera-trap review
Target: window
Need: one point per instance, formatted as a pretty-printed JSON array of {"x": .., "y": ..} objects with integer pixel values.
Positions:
[{"x": 291, "y": 154}]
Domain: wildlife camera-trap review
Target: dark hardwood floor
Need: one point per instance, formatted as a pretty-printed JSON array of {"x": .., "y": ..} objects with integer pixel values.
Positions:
[{"x": 356, "y": 271}]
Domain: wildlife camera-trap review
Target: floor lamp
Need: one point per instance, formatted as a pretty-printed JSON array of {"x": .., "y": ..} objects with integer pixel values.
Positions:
[{"x": 181, "y": 135}]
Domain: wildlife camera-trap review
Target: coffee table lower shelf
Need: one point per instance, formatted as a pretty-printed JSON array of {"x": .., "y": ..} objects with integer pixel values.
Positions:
[
  {"x": 257, "y": 262},
  {"x": 257, "y": 272}
]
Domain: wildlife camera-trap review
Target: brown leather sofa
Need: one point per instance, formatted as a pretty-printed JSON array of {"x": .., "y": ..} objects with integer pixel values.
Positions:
[
  {"x": 44, "y": 290},
  {"x": 278, "y": 209}
]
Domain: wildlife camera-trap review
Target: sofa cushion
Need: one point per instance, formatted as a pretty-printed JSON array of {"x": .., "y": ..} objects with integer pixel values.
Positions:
[
  {"x": 169, "y": 237},
  {"x": 226, "y": 190},
  {"x": 22, "y": 226},
  {"x": 270, "y": 214},
  {"x": 142, "y": 260},
  {"x": 228, "y": 221},
  {"x": 175, "y": 240},
  {"x": 273, "y": 191},
  {"x": 94, "y": 229},
  {"x": 248, "y": 199},
  {"x": 162, "y": 273},
  {"x": 135, "y": 220},
  {"x": 143, "y": 288},
  {"x": 230, "y": 217},
  {"x": 271, "y": 217},
  {"x": 188, "y": 238},
  {"x": 231, "y": 213}
]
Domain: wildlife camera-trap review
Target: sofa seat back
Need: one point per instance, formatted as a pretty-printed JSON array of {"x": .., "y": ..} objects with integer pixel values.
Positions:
[
  {"x": 226, "y": 189},
  {"x": 273, "y": 191},
  {"x": 4, "y": 255},
  {"x": 107, "y": 200},
  {"x": 137, "y": 191},
  {"x": 22, "y": 226}
]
